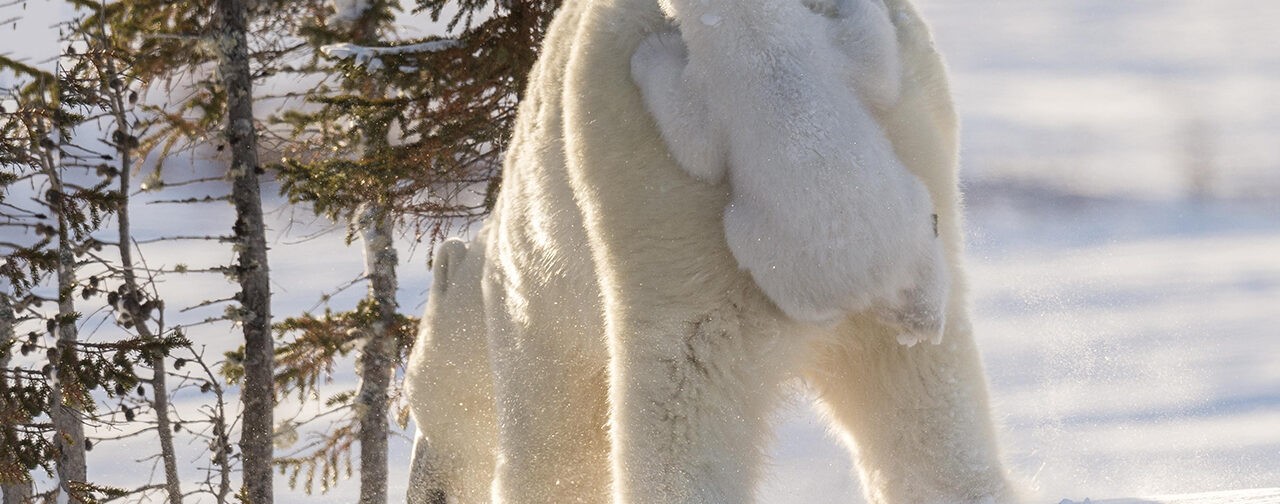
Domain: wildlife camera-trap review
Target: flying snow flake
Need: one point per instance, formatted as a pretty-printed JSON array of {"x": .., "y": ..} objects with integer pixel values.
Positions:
[{"x": 285, "y": 435}]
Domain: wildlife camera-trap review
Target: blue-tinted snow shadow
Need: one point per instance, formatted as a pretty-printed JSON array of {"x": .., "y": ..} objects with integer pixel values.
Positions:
[{"x": 1028, "y": 215}]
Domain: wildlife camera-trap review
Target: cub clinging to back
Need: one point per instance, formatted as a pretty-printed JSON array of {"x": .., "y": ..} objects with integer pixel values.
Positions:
[{"x": 822, "y": 212}]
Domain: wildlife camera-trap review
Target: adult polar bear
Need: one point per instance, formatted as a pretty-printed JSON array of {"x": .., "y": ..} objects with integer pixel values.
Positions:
[{"x": 632, "y": 360}]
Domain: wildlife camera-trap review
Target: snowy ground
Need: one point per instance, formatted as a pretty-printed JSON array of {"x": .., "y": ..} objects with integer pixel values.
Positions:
[
  {"x": 1255, "y": 496},
  {"x": 1130, "y": 332},
  {"x": 1124, "y": 360},
  {"x": 1131, "y": 346}
]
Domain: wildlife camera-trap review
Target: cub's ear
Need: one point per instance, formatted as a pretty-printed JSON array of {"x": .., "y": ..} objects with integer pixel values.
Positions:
[{"x": 449, "y": 254}]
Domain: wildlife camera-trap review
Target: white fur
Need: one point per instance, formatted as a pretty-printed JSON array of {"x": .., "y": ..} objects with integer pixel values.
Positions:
[
  {"x": 450, "y": 384},
  {"x": 632, "y": 360},
  {"x": 822, "y": 213}
]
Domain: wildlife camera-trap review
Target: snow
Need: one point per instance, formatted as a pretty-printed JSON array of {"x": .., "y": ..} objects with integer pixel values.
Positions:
[
  {"x": 1122, "y": 361},
  {"x": 370, "y": 57},
  {"x": 364, "y": 53},
  {"x": 1259, "y": 496}
]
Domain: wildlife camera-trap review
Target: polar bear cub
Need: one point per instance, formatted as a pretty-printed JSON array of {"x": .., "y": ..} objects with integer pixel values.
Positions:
[
  {"x": 449, "y": 385},
  {"x": 822, "y": 213}
]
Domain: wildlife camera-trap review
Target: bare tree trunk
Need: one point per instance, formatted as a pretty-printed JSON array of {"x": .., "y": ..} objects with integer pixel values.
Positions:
[
  {"x": 17, "y": 492},
  {"x": 68, "y": 437},
  {"x": 134, "y": 294},
  {"x": 377, "y": 359},
  {"x": 133, "y": 299},
  {"x": 252, "y": 268},
  {"x": 160, "y": 402},
  {"x": 378, "y": 356}
]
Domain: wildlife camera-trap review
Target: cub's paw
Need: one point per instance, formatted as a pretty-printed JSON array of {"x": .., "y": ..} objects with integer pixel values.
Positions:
[
  {"x": 660, "y": 57},
  {"x": 679, "y": 109},
  {"x": 864, "y": 33},
  {"x": 920, "y": 311}
]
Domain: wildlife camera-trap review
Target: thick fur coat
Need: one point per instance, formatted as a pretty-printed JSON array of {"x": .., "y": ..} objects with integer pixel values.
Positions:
[
  {"x": 450, "y": 384},
  {"x": 630, "y": 357},
  {"x": 821, "y": 211}
]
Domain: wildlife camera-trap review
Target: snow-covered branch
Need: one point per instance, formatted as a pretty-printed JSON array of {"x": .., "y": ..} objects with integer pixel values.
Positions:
[
  {"x": 370, "y": 57},
  {"x": 365, "y": 53}
]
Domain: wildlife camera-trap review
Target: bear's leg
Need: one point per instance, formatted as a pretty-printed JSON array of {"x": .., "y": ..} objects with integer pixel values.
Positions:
[
  {"x": 456, "y": 467},
  {"x": 552, "y": 414},
  {"x": 692, "y": 393},
  {"x": 916, "y": 419},
  {"x": 449, "y": 386},
  {"x": 424, "y": 484}
]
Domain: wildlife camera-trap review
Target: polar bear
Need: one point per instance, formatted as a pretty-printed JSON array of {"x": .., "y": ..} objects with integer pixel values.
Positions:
[
  {"x": 449, "y": 383},
  {"x": 632, "y": 360},
  {"x": 822, "y": 213}
]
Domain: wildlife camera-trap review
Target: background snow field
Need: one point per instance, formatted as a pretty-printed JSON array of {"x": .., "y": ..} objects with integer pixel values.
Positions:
[
  {"x": 1261, "y": 496},
  {"x": 1122, "y": 170}
]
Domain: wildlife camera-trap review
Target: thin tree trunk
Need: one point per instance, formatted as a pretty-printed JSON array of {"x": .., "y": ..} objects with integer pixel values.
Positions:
[
  {"x": 69, "y": 452},
  {"x": 133, "y": 297},
  {"x": 15, "y": 493},
  {"x": 160, "y": 402},
  {"x": 376, "y": 224},
  {"x": 19, "y": 492},
  {"x": 377, "y": 358},
  {"x": 255, "y": 294}
]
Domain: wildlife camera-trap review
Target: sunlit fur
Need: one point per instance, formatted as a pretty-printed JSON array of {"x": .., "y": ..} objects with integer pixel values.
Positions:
[
  {"x": 448, "y": 376},
  {"x": 822, "y": 213},
  {"x": 633, "y": 361}
]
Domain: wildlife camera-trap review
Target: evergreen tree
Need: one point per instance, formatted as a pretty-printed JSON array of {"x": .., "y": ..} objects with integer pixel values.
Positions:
[
  {"x": 63, "y": 215},
  {"x": 136, "y": 306},
  {"x": 404, "y": 132},
  {"x": 448, "y": 102},
  {"x": 68, "y": 148},
  {"x": 173, "y": 51},
  {"x": 58, "y": 190},
  {"x": 398, "y": 136},
  {"x": 15, "y": 488}
]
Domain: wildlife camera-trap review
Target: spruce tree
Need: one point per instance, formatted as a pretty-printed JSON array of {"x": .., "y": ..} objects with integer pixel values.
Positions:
[
  {"x": 15, "y": 487},
  {"x": 419, "y": 127},
  {"x": 59, "y": 191},
  {"x": 61, "y": 218},
  {"x": 70, "y": 141}
]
